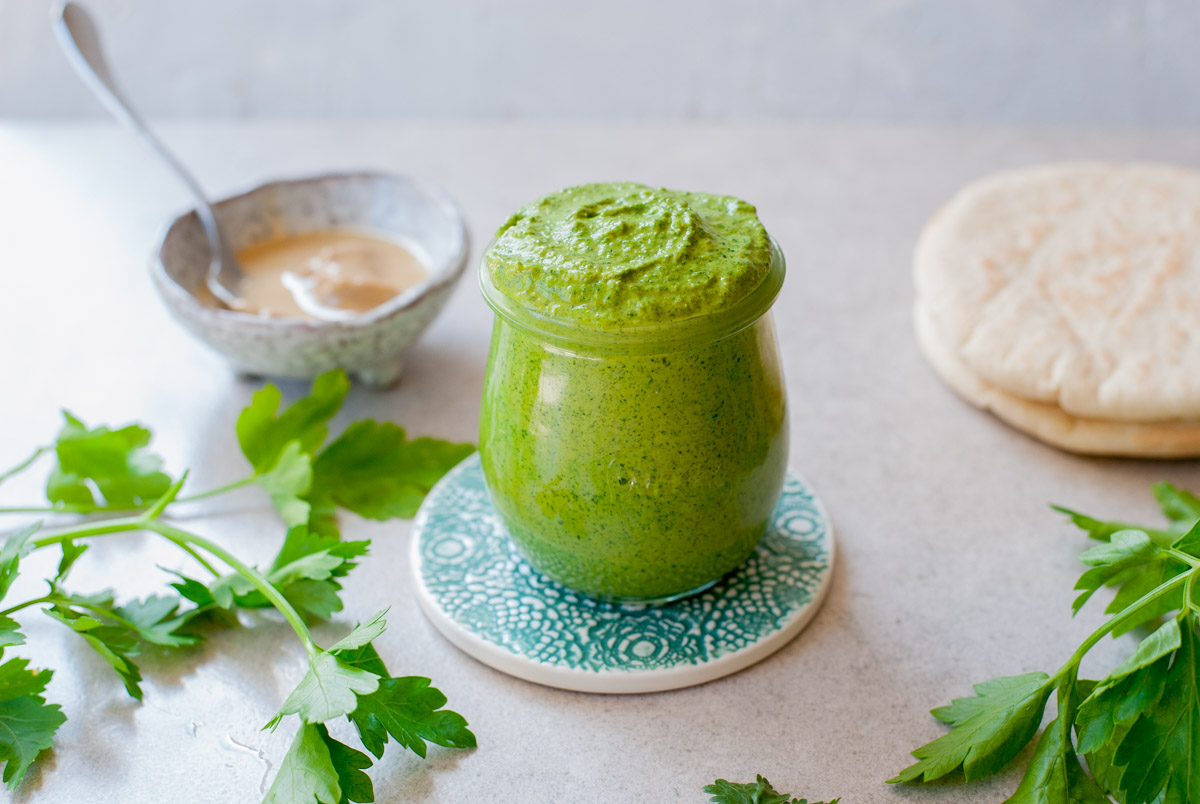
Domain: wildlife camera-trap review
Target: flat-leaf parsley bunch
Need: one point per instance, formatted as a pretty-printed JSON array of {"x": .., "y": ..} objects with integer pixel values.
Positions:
[
  {"x": 1138, "y": 728},
  {"x": 116, "y": 485}
]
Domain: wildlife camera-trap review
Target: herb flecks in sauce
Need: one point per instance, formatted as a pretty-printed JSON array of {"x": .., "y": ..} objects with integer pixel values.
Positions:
[{"x": 623, "y": 254}]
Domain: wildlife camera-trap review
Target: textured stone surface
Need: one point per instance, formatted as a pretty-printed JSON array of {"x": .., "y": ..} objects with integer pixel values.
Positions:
[{"x": 951, "y": 568}]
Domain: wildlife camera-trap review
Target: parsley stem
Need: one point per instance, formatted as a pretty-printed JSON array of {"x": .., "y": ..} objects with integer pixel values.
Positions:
[
  {"x": 248, "y": 572},
  {"x": 162, "y": 502},
  {"x": 103, "y": 612},
  {"x": 102, "y": 509},
  {"x": 23, "y": 465},
  {"x": 1072, "y": 665},
  {"x": 1179, "y": 555},
  {"x": 48, "y": 509},
  {"x": 65, "y": 509},
  {"x": 110, "y": 526},
  {"x": 201, "y": 560},
  {"x": 103, "y": 528},
  {"x": 245, "y": 481},
  {"x": 187, "y": 541},
  {"x": 25, "y": 605}
]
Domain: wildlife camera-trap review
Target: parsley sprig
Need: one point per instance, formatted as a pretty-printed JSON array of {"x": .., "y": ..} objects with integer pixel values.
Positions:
[
  {"x": 1138, "y": 728},
  {"x": 759, "y": 791},
  {"x": 372, "y": 469}
]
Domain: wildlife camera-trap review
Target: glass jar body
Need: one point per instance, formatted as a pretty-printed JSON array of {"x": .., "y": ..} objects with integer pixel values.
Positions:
[{"x": 638, "y": 476}]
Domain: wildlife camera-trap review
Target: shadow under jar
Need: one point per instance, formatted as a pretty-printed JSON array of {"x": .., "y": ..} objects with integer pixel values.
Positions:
[{"x": 638, "y": 464}]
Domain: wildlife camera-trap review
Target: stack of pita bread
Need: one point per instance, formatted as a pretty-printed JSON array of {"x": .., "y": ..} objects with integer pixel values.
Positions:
[{"x": 1066, "y": 300}]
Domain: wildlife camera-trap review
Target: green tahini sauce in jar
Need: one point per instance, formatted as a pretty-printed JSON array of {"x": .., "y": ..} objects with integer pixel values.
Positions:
[{"x": 634, "y": 427}]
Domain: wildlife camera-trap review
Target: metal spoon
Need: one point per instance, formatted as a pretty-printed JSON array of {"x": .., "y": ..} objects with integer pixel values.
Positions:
[{"x": 80, "y": 41}]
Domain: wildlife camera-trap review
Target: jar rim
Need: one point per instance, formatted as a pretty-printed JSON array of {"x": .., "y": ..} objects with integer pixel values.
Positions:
[{"x": 705, "y": 327}]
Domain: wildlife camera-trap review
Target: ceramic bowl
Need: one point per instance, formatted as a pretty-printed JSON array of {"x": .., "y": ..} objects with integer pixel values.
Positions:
[{"x": 371, "y": 347}]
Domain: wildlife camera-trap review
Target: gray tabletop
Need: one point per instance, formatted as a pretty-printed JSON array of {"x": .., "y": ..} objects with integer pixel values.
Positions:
[{"x": 952, "y": 569}]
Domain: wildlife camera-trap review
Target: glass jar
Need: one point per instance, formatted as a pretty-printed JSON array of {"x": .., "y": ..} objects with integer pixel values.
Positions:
[{"x": 639, "y": 464}]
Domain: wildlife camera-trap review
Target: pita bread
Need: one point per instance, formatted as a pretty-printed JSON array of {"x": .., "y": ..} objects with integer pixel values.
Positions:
[
  {"x": 1077, "y": 286},
  {"x": 1048, "y": 422}
]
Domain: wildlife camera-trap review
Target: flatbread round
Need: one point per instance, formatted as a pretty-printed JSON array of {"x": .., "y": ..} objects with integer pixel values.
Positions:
[
  {"x": 1048, "y": 422},
  {"x": 1076, "y": 285}
]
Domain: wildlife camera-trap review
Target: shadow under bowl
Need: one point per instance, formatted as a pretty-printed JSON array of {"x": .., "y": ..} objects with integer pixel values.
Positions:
[{"x": 371, "y": 347}]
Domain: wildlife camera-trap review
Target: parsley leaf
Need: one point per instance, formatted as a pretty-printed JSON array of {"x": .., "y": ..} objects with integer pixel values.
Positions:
[
  {"x": 1161, "y": 752},
  {"x": 27, "y": 727},
  {"x": 1101, "y": 759},
  {"x": 17, "y": 680},
  {"x": 1135, "y": 583},
  {"x": 1054, "y": 775},
  {"x": 1102, "y": 531},
  {"x": 1189, "y": 541},
  {"x": 302, "y": 542},
  {"x": 1125, "y": 550},
  {"x": 1132, "y": 560},
  {"x": 364, "y": 658},
  {"x": 230, "y": 589},
  {"x": 306, "y": 570},
  {"x": 287, "y": 481},
  {"x": 758, "y": 792},
  {"x": 314, "y": 598},
  {"x": 157, "y": 620},
  {"x": 263, "y": 436},
  {"x": 15, "y": 548},
  {"x": 1127, "y": 692},
  {"x": 316, "y": 566},
  {"x": 349, "y": 764},
  {"x": 318, "y": 768},
  {"x": 1166, "y": 640},
  {"x": 373, "y": 470},
  {"x": 9, "y": 635},
  {"x": 989, "y": 730},
  {"x": 306, "y": 774},
  {"x": 362, "y": 634},
  {"x": 114, "y": 643},
  {"x": 322, "y": 518},
  {"x": 27, "y": 722},
  {"x": 327, "y": 690},
  {"x": 411, "y": 711},
  {"x": 1180, "y": 506},
  {"x": 70, "y": 554},
  {"x": 1104, "y": 717},
  {"x": 115, "y": 463},
  {"x": 194, "y": 590}
]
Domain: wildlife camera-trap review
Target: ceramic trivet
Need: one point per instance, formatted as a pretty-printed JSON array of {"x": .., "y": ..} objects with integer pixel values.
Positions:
[{"x": 489, "y": 602}]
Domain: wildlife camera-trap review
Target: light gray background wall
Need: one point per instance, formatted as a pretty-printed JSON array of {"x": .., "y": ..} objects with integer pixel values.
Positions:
[{"x": 1057, "y": 62}]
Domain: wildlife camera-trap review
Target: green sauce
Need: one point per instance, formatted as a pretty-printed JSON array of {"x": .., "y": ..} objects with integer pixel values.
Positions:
[
  {"x": 622, "y": 254},
  {"x": 638, "y": 474}
]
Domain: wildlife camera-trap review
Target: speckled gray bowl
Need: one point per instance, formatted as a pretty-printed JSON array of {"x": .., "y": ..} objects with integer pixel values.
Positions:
[{"x": 371, "y": 347}]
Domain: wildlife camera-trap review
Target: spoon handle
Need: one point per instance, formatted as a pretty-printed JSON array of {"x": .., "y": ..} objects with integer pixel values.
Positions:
[{"x": 80, "y": 41}]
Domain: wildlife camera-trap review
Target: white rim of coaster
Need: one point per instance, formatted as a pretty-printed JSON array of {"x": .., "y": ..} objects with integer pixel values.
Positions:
[{"x": 495, "y": 612}]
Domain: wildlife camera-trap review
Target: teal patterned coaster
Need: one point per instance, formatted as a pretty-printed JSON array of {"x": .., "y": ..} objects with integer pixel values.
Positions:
[{"x": 487, "y": 600}]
